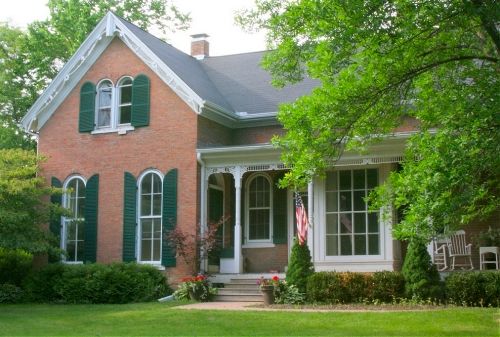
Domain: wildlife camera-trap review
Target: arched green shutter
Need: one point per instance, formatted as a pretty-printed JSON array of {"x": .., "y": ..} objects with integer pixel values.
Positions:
[
  {"x": 129, "y": 217},
  {"x": 279, "y": 213},
  {"x": 140, "y": 101},
  {"x": 87, "y": 107},
  {"x": 91, "y": 211},
  {"x": 169, "y": 216},
  {"x": 55, "y": 221}
]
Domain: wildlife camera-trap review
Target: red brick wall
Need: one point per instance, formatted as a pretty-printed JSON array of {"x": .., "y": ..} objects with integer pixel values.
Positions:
[
  {"x": 168, "y": 142},
  {"x": 256, "y": 135},
  {"x": 212, "y": 134},
  {"x": 265, "y": 260}
]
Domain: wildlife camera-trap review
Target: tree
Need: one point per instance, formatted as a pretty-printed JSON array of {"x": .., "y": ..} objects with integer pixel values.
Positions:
[
  {"x": 300, "y": 267},
  {"x": 381, "y": 63},
  {"x": 30, "y": 60},
  {"x": 24, "y": 207}
]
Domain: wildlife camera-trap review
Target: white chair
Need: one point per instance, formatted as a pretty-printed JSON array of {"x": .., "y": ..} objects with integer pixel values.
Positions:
[
  {"x": 457, "y": 247},
  {"x": 440, "y": 256}
]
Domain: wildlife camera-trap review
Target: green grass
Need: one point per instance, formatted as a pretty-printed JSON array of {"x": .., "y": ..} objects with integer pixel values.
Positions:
[{"x": 154, "y": 319}]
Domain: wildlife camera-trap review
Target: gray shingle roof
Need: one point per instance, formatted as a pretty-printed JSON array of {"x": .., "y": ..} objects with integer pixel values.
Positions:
[{"x": 236, "y": 83}]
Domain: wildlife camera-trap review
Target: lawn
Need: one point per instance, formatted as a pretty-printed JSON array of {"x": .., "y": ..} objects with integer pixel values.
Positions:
[{"x": 154, "y": 319}]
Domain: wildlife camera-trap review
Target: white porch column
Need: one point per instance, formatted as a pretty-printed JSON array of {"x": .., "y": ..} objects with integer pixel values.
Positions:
[
  {"x": 238, "y": 265},
  {"x": 310, "y": 207},
  {"x": 203, "y": 207}
]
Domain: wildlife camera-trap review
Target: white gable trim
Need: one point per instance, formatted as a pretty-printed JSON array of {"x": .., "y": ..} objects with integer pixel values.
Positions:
[{"x": 88, "y": 53}]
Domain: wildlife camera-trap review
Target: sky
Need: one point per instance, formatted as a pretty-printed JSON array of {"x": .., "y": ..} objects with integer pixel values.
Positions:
[{"x": 213, "y": 17}]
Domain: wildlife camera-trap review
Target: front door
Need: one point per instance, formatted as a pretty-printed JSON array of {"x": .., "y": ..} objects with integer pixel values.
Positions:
[{"x": 215, "y": 213}]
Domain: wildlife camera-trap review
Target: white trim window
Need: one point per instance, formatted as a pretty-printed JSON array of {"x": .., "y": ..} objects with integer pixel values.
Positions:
[
  {"x": 125, "y": 101},
  {"x": 73, "y": 237},
  {"x": 150, "y": 217},
  {"x": 350, "y": 228},
  {"x": 104, "y": 103},
  {"x": 259, "y": 209}
]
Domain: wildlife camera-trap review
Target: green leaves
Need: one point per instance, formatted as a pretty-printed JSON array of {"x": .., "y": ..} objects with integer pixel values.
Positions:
[{"x": 434, "y": 64}]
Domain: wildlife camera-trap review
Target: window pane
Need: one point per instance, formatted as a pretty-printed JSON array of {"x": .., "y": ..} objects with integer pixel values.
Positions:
[
  {"x": 373, "y": 244},
  {"x": 345, "y": 223},
  {"x": 104, "y": 97},
  {"x": 332, "y": 248},
  {"x": 345, "y": 201},
  {"x": 359, "y": 245},
  {"x": 332, "y": 224},
  {"x": 80, "y": 208},
  {"x": 146, "y": 229},
  {"x": 126, "y": 94},
  {"x": 125, "y": 114},
  {"x": 259, "y": 224},
  {"x": 156, "y": 183},
  {"x": 359, "y": 203},
  {"x": 372, "y": 178},
  {"x": 146, "y": 205},
  {"x": 358, "y": 179},
  {"x": 373, "y": 222},
  {"x": 104, "y": 117},
  {"x": 80, "y": 250},
  {"x": 146, "y": 183},
  {"x": 360, "y": 222},
  {"x": 156, "y": 250},
  {"x": 345, "y": 180},
  {"x": 345, "y": 245},
  {"x": 157, "y": 228},
  {"x": 146, "y": 250},
  {"x": 71, "y": 230},
  {"x": 157, "y": 204},
  {"x": 80, "y": 231},
  {"x": 70, "y": 250},
  {"x": 331, "y": 181},
  {"x": 331, "y": 202}
]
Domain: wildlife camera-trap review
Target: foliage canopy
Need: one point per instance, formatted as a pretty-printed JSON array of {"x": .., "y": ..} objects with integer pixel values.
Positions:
[{"x": 381, "y": 64}]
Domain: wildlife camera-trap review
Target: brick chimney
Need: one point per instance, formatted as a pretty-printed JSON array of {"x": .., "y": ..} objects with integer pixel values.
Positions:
[{"x": 199, "y": 46}]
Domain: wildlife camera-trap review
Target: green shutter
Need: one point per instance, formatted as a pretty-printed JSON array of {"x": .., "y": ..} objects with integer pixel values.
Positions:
[
  {"x": 279, "y": 213},
  {"x": 169, "y": 216},
  {"x": 87, "y": 107},
  {"x": 140, "y": 101},
  {"x": 55, "y": 221},
  {"x": 129, "y": 217},
  {"x": 91, "y": 211}
]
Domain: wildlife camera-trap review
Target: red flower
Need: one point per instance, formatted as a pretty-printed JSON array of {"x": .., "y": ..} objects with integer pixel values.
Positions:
[{"x": 276, "y": 278}]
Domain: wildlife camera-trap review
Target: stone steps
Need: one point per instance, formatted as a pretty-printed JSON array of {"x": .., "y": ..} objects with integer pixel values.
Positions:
[{"x": 239, "y": 290}]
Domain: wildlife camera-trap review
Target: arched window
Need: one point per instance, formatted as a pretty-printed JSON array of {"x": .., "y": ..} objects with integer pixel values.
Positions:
[
  {"x": 73, "y": 238},
  {"x": 150, "y": 215},
  {"x": 125, "y": 100},
  {"x": 259, "y": 209},
  {"x": 104, "y": 104}
]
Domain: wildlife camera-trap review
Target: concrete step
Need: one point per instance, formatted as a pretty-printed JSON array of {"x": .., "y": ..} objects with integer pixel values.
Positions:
[
  {"x": 238, "y": 298},
  {"x": 242, "y": 285},
  {"x": 236, "y": 291},
  {"x": 243, "y": 281}
]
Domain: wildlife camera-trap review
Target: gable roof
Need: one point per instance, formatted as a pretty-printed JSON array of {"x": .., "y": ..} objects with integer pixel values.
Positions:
[{"x": 232, "y": 90}]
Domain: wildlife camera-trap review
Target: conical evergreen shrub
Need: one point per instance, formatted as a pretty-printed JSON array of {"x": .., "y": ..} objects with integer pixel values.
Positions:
[
  {"x": 300, "y": 266},
  {"x": 421, "y": 276}
]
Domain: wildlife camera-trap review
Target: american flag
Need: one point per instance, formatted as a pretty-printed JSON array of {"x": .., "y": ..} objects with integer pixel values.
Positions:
[{"x": 301, "y": 216}]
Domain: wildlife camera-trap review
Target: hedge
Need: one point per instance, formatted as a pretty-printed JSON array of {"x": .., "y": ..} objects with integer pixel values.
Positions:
[
  {"x": 474, "y": 288},
  {"x": 96, "y": 283}
]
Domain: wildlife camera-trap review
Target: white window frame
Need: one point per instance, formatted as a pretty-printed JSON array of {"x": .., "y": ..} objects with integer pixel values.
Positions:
[
  {"x": 114, "y": 125},
  {"x": 66, "y": 220},
  {"x": 139, "y": 223},
  {"x": 119, "y": 87},
  {"x": 98, "y": 104},
  {"x": 258, "y": 243}
]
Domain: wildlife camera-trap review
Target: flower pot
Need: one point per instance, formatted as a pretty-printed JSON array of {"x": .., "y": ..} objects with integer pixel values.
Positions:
[{"x": 267, "y": 294}]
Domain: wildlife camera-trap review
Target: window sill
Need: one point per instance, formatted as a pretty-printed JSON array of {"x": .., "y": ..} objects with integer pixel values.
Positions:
[
  {"x": 121, "y": 130},
  {"x": 258, "y": 245},
  {"x": 152, "y": 264}
]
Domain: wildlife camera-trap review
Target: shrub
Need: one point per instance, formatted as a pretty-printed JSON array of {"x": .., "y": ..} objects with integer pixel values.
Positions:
[
  {"x": 15, "y": 265},
  {"x": 421, "y": 276},
  {"x": 10, "y": 293},
  {"x": 473, "y": 288},
  {"x": 333, "y": 287},
  {"x": 285, "y": 293},
  {"x": 300, "y": 266},
  {"x": 96, "y": 283},
  {"x": 387, "y": 286}
]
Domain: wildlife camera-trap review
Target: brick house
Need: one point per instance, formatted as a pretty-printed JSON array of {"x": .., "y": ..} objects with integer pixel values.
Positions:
[{"x": 148, "y": 138}]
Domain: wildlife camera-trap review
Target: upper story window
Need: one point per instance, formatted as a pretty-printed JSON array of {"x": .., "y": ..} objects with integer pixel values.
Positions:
[
  {"x": 73, "y": 238},
  {"x": 110, "y": 108},
  {"x": 104, "y": 104},
  {"x": 259, "y": 210}
]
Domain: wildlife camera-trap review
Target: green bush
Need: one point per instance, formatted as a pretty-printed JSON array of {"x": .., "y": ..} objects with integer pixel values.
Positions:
[
  {"x": 15, "y": 265},
  {"x": 300, "y": 266},
  {"x": 422, "y": 280},
  {"x": 333, "y": 287},
  {"x": 474, "y": 288},
  {"x": 96, "y": 283},
  {"x": 387, "y": 286},
  {"x": 285, "y": 293},
  {"x": 10, "y": 293}
]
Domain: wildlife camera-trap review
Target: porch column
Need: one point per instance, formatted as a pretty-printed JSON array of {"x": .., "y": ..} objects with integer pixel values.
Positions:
[
  {"x": 310, "y": 207},
  {"x": 238, "y": 266}
]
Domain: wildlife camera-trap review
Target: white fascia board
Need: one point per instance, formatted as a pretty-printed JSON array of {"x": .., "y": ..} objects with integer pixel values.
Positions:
[
  {"x": 237, "y": 120},
  {"x": 247, "y": 154},
  {"x": 68, "y": 77},
  {"x": 86, "y": 55}
]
